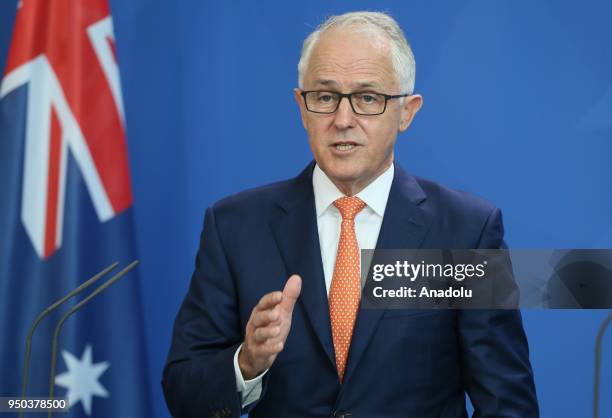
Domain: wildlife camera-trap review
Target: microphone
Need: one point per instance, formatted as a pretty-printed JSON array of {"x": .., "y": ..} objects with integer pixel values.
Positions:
[
  {"x": 43, "y": 314},
  {"x": 598, "y": 344},
  {"x": 74, "y": 309}
]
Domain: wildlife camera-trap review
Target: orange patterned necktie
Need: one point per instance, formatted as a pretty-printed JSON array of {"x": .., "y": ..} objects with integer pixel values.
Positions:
[{"x": 345, "y": 290}]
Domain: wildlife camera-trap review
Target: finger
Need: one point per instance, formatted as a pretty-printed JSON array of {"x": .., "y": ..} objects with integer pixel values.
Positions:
[
  {"x": 262, "y": 334},
  {"x": 264, "y": 318},
  {"x": 269, "y": 301},
  {"x": 291, "y": 292},
  {"x": 272, "y": 348},
  {"x": 263, "y": 352}
]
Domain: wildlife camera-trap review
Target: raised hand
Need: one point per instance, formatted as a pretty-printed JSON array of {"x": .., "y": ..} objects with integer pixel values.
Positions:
[{"x": 268, "y": 328}]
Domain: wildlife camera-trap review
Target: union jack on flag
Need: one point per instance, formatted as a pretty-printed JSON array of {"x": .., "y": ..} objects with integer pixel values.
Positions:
[{"x": 66, "y": 209}]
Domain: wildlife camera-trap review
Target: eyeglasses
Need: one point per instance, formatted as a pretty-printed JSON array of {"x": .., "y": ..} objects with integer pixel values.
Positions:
[{"x": 362, "y": 103}]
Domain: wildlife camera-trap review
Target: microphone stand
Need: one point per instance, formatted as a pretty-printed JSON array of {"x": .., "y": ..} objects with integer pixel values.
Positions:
[
  {"x": 598, "y": 344},
  {"x": 74, "y": 309},
  {"x": 42, "y": 315}
]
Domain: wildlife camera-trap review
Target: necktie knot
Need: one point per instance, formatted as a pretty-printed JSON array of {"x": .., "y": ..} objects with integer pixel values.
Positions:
[{"x": 349, "y": 206}]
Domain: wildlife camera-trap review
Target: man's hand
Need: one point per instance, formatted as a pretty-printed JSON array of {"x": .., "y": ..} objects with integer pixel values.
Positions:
[{"x": 268, "y": 328}]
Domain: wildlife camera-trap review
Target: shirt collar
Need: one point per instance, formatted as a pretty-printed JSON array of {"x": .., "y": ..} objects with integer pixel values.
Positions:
[{"x": 375, "y": 195}]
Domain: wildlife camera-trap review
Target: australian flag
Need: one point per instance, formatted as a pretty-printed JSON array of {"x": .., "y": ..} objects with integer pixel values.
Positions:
[{"x": 66, "y": 210}]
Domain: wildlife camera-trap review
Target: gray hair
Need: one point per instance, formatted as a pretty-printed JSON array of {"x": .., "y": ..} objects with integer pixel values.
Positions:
[{"x": 401, "y": 54}]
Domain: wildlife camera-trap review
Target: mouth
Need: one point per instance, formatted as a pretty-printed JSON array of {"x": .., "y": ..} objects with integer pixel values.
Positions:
[{"x": 344, "y": 146}]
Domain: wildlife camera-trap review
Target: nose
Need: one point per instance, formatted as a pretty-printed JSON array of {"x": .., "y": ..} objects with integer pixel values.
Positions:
[{"x": 344, "y": 117}]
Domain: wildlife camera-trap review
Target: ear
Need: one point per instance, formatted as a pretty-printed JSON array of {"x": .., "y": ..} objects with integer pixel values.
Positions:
[
  {"x": 300, "y": 101},
  {"x": 411, "y": 106}
]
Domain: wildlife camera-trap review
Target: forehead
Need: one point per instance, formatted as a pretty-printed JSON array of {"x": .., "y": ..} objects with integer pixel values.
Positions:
[{"x": 347, "y": 58}]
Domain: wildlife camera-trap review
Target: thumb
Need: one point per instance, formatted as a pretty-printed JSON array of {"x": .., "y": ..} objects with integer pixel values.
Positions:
[{"x": 291, "y": 292}]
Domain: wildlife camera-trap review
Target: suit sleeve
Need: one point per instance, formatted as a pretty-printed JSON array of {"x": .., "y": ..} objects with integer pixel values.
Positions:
[
  {"x": 495, "y": 353},
  {"x": 199, "y": 378}
]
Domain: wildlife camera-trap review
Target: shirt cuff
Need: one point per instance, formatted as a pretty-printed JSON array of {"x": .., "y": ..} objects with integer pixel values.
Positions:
[{"x": 249, "y": 389}]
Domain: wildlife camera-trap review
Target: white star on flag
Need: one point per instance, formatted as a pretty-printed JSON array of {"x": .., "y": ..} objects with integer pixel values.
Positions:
[{"x": 81, "y": 379}]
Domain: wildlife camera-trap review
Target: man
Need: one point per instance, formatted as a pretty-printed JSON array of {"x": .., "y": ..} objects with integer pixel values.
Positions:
[{"x": 271, "y": 324}]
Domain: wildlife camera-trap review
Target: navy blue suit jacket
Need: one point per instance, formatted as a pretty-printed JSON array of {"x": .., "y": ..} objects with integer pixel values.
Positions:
[{"x": 402, "y": 363}]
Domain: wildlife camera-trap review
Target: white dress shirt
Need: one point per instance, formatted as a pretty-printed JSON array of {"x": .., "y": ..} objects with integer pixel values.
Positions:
[{"x": 367, "y": 228}]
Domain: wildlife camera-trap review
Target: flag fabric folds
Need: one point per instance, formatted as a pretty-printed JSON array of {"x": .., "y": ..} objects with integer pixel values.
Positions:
[{"x": 66, "y": 210}]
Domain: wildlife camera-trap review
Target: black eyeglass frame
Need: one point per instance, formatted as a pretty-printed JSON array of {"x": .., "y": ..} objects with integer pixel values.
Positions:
[{"x": 350, "y": 100}]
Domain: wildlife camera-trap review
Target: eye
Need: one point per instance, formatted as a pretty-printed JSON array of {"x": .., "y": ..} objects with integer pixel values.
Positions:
[
  {"x": 325, "y": 97},
  {"x": 367, "y": 98}
]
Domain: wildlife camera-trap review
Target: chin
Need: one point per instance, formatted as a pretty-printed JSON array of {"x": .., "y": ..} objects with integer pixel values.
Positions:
[{"x": 345, "y": 176}]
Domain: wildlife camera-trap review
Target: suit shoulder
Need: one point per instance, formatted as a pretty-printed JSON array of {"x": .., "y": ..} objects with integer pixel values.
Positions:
[
  {"x": 454, "y": 200},
  {"x": 252, "y": 200},
  {"x": 463, "y": 219}
]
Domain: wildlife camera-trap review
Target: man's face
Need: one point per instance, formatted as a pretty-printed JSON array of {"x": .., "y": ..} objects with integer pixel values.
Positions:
[{"x": 347, "y": 61}]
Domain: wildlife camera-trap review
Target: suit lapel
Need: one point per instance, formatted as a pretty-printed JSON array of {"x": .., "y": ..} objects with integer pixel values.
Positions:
[
  {"x": 296, "y": 234},
  {"x": 405, "y": 225}
]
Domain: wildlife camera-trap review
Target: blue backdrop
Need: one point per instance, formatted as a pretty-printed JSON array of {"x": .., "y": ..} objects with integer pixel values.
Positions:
[{"x": 518, "y": 109}]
